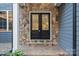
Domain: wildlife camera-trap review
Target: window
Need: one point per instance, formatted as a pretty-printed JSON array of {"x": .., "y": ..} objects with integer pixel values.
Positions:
[
  {"x": 5, "y": 21},
  {"x": 40, "y": 25}
]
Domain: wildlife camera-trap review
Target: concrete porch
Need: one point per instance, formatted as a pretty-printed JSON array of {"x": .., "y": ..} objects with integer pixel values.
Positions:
[{"x": 43, "y": 50}]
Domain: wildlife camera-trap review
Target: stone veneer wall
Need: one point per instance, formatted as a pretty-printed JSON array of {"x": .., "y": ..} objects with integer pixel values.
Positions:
[{"x": 24, "y": 10}]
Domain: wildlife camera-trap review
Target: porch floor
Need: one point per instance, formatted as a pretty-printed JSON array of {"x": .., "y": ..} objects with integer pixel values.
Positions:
[{"x": 44, "y": 50}]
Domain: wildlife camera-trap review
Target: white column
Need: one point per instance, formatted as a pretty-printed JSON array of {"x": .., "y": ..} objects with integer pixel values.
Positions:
[
  {"x": 15, "y": 26},
  {"x": 7, "y": 21}
]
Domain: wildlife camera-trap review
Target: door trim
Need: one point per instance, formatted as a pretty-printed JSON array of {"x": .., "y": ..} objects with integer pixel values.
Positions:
[{"x": 50, "y": 22}]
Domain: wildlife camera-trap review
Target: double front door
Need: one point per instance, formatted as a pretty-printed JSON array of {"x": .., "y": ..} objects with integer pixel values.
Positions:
[{"x": 40, "y": 26}]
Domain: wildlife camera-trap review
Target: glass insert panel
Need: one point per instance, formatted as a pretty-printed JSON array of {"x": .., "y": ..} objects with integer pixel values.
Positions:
[
  {"x": 35, "y": 21},
  {"x": 45, "y": 20}
]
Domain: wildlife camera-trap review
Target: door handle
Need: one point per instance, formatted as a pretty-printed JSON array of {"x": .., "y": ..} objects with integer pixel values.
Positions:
[{"x": 39, "y": 30}]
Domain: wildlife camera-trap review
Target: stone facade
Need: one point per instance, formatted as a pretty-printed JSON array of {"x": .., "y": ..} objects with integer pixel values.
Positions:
[{"x": 24, "y": 10}]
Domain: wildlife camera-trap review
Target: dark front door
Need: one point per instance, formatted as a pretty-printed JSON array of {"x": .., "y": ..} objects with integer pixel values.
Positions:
[{"x": 40, "y": 25}]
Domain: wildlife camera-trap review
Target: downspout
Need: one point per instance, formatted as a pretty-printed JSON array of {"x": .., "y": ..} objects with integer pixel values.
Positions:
[{"x": 74, "y": 29}]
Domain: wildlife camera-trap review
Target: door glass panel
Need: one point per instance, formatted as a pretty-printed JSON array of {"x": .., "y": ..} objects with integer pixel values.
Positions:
[
  {"x": 45, "y": 20},
  {"x": 35, "y": 22}
]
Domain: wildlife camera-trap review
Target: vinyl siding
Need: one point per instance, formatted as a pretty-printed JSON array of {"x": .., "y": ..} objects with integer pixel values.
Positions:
[
  {"x": 6, "y": 6},
  {"x": 77, "y": 23},
  {"x": 5, "y": 42},
  {"x": 5, "y": 37},
  {"x": 66, "y": 27}
]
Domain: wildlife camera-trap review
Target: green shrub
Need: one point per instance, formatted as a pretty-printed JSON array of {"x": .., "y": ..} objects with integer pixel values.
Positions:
[{"x": 15, "y": 53}]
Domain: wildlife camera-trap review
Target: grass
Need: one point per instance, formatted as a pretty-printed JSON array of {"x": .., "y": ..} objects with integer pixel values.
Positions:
[{"x": 15, "y": 53}]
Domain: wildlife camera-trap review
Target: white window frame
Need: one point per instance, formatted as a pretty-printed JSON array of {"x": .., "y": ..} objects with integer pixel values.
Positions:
[{"x": 7, "y": 11}]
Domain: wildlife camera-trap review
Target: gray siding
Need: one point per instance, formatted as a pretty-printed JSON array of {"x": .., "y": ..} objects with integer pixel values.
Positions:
[
  {"x": 5, "y": 42},
  {"x": 6, "y": 6},
  {"x": 5, "y": 37},
  {"x": 66, "y": 27},
  {"x": 77, "y": 17}
]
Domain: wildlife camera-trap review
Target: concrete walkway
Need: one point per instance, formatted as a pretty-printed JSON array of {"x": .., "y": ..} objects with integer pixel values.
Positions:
[
  {"x": 43, "y": 50},
  {"x": 5, "y": 47}
]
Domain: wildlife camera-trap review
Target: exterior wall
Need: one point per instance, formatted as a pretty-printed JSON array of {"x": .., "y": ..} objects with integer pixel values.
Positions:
[
  {"x": 5, "y": 42},
  {"x": 66, "y": 27},
  {"x": 5, "y": 37},
  {"x": 77, "y": 22},
  {"x": 24, "y": 22},
  {"x": 6, "y": 6}
]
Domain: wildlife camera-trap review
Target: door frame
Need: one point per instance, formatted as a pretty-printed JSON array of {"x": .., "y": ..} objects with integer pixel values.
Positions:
[{"x": 50, "y": 22}]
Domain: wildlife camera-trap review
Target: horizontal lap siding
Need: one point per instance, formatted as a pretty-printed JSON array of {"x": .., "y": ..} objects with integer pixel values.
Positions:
[
  {"x": 6, "y": 6},
  {"x": 5, "y": 37},
  {"x": 5, "y": 42},
  {"x": 77, "y": 17},
  {"x": 66, "y": 27}
]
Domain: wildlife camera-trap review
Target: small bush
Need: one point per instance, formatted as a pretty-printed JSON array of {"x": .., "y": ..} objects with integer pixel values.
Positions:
[{"x": 15, "y": 53}]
